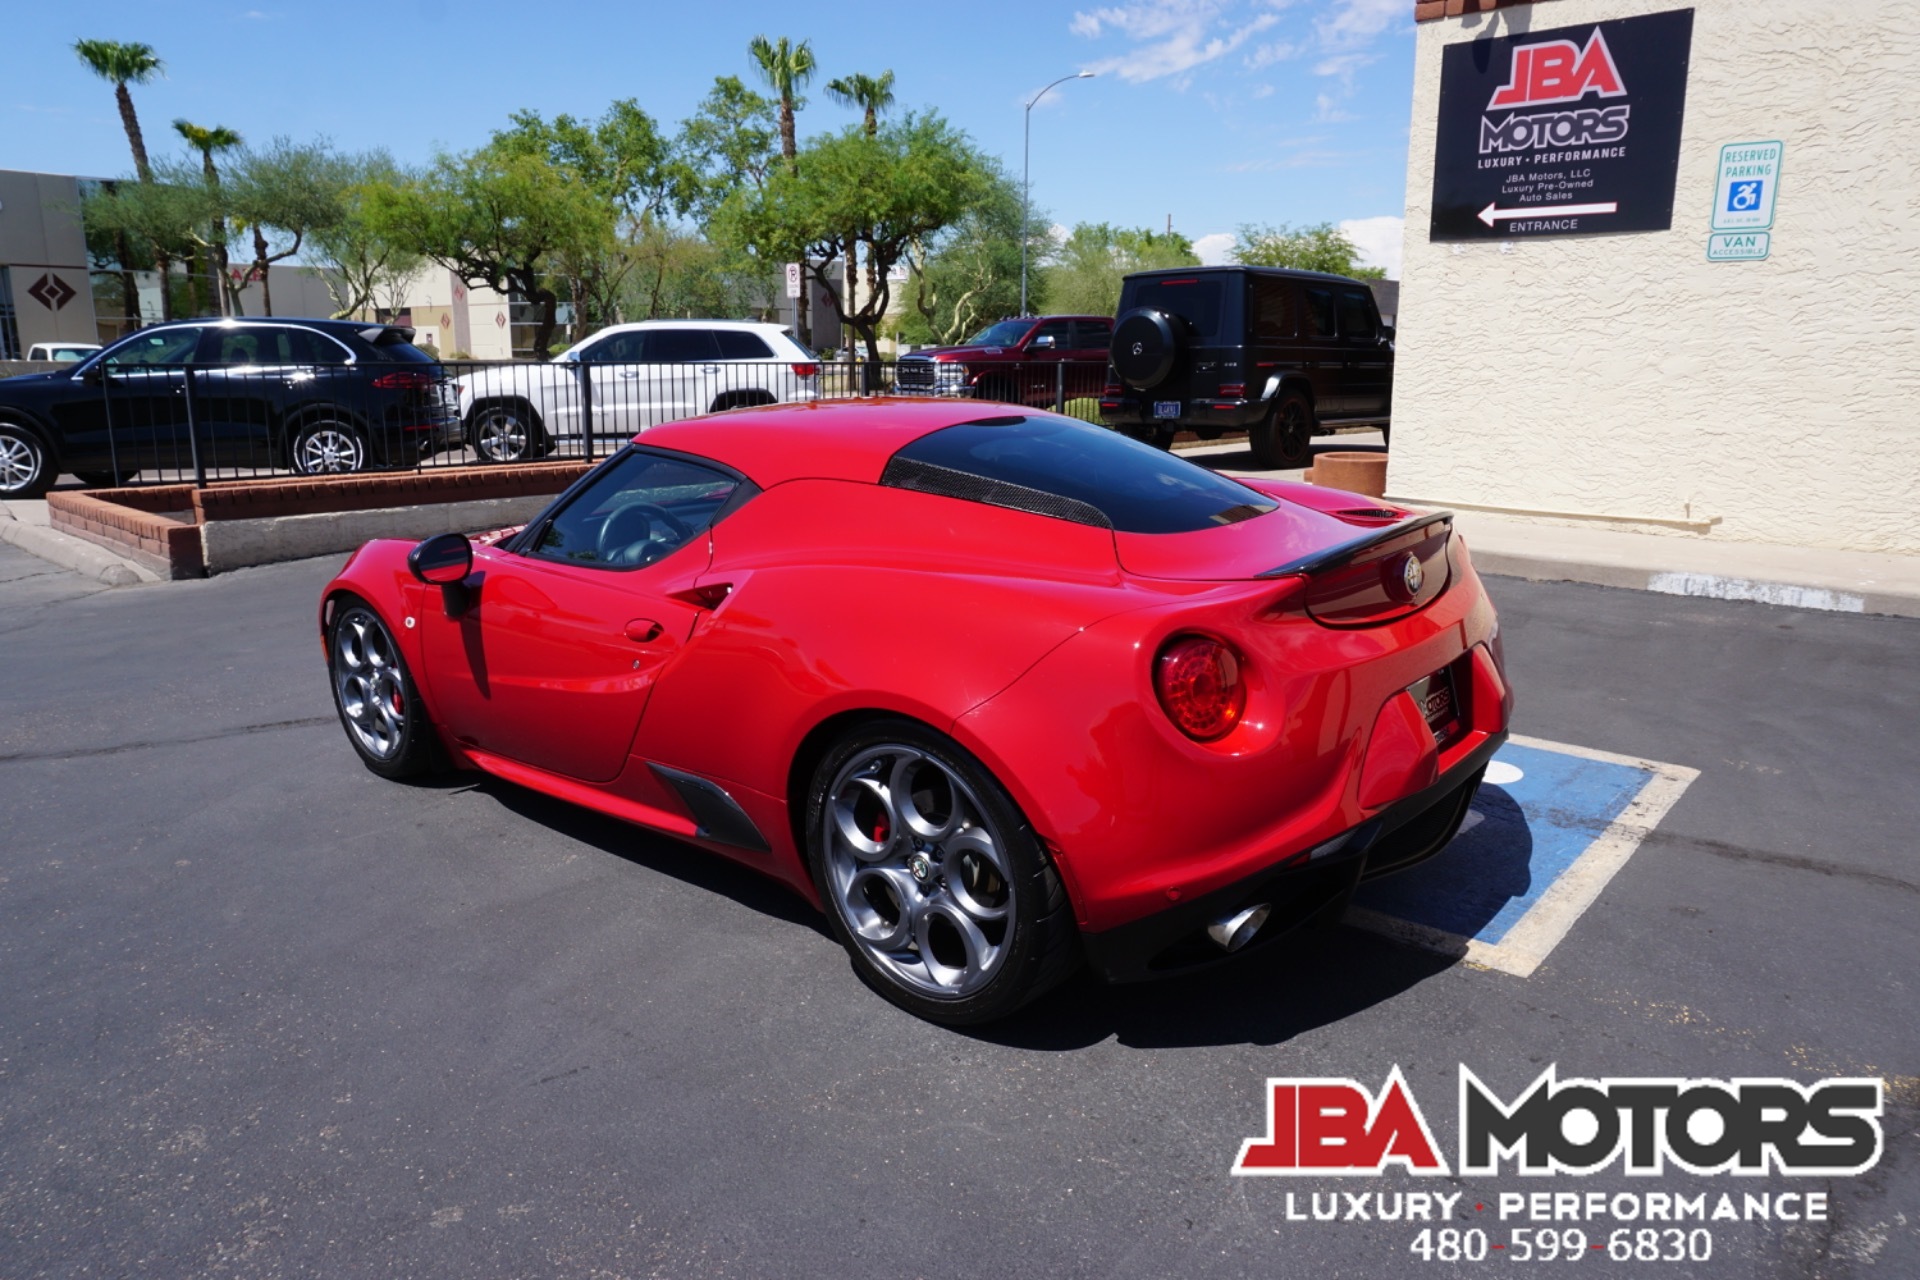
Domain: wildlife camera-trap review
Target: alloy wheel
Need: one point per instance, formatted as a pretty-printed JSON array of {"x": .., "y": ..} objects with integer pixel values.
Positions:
[
  {"x": 917, "y": 871},
  {"x": 367, "y": 677},
  {"x": 328, "y": 450},
  {"x": 500, "y": 436},
  {"x": 19, "y": 464}
]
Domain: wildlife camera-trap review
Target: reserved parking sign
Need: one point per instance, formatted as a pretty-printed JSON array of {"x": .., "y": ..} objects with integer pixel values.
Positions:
[{"x": 1749, "y": 179}]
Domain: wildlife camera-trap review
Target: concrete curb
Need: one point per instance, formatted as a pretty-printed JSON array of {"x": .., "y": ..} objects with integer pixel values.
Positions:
[
  {"x": 73, "y": 553},
  {"x": 1797, "y": 595}
]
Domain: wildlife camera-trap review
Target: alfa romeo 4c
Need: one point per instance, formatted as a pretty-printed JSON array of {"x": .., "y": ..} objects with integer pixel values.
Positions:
[{"x": 1003, "y": 695}]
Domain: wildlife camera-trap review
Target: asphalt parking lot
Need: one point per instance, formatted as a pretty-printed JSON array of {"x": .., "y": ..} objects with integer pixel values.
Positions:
[{"x": 263, "y": 1014}]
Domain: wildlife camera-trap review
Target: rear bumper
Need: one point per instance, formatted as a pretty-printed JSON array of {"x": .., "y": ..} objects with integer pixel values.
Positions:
[
  {"x": 1225, "y": 414},
  {"x": 1305, "y": 890}
]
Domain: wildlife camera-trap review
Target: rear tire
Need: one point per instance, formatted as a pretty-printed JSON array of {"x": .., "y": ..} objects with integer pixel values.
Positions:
[
  {"x": 104, "y": 479},
  {"x": 26, "y": 471},
  {"x": 505, "y": 433},
  {"x": 328, "y": 446},
  {"x": 932, "y": 879},
  {"x": 1283, "y": 440}
]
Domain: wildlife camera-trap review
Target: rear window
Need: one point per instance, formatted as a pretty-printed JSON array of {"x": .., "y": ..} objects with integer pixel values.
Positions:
[
  {"x": 738, "y": 344},
  {"x": 1073, "y": 471},
  {"x": 1204, "y": 302}
]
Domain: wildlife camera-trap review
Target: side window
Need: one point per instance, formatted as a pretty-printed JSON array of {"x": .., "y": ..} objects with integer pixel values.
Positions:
[
  {"x": 1320, "y": 312},
  {"x": 738, "y": 344},
  {"x": 643, "y": 508},
  {"x": 1093, "y": 335},
  {"x": 239, "y": 346},
  {"x": 1356, "y": 317},
  {"x": 1055, "y": 335},
  {"x": 620, "y": 348},
  {"x": 165, "y": 346},
  {"x": 1273, "y": 312},
  {"x": 680, "y": 346}
]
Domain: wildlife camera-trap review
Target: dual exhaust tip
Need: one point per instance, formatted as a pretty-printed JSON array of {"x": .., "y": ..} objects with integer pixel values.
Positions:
[{"x": 1233, "y": 932}]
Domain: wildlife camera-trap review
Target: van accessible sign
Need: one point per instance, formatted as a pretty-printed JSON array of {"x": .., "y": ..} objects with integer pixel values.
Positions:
[{"x": 1573, "y": 131}]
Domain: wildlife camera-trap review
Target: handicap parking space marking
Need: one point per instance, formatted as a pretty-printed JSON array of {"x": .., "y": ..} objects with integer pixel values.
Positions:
[{"x": 1550, "y": 827}]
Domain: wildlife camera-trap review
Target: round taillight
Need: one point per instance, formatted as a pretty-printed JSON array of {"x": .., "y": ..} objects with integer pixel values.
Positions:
[{"x": 1200, "y": 687}]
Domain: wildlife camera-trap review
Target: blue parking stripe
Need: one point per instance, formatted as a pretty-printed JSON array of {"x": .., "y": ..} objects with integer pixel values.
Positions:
[{"x": 1522, "y": 835}]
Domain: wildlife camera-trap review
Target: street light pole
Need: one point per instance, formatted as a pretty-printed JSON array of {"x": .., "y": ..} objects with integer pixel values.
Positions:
[{"x": 1026, "y": 176}]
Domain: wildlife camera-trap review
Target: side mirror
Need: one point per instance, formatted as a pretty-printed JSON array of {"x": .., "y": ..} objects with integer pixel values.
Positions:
[
  {"x": 444, "y": 561},
  {"x": 94, "y": 374},
  {"x": 1044, "y": 342},
  {"x": 1386, "y": 333},
  {"x": 570, "y": 356}
]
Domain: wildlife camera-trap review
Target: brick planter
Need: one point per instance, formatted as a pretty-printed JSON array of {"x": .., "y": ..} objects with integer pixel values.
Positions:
[{"x": 182, "y": 532}]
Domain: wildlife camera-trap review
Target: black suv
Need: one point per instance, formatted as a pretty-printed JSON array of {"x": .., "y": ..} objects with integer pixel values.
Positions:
[
  {"x": 312, "y": 396},
  {"x": 1282, "y": 355}
]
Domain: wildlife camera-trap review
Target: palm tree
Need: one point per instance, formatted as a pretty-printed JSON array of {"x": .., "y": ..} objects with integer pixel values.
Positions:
[
  {"x": 207, "y": 141},
  {"x": 787, "y": 67},
  {"x": 872, "y": 94},
  {"x": 121, "y": 65}
]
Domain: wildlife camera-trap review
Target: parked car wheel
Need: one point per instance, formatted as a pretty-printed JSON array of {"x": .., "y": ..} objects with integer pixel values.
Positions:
[
  {"x": 933, "y": 881},
  {"x": 328, "y": 446},
  {"x": 24, "y": 472},
  {"x": 375, "y": 695},
  {"x": 1284, "y": 439},
  {"x": 505, "y": 432}
]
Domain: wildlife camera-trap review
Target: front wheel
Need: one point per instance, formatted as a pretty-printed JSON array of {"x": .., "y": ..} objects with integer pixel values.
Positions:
[
  {"x": 932, "y": 879},
  {"x": 504, "y": 433},
  {"x": 328, "y": 447},
  {"x": 1284, "y": 439},
  {"x": 375, "y": 695}
]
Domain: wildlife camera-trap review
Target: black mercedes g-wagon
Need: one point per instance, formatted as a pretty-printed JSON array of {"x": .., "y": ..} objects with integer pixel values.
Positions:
[{"x": 1283, "y": 355}]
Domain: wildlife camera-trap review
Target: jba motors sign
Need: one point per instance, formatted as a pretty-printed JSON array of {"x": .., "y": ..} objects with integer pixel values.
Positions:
[
  {"x": 1319, "y": 1127},
  {"x": 1574, "y": 131}
]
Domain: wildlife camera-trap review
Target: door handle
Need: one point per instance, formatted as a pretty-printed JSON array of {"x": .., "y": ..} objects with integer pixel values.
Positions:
[
  {"x": 641, "y": 630},
  {"x": 709, "y": 368},
  {"x": 629, "y": 373}
]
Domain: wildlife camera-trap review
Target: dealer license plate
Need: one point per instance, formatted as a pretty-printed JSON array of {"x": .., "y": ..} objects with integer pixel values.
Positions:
[
  {"x": 1434, "y": 696},
  {"x": 1166, "y": 408}
]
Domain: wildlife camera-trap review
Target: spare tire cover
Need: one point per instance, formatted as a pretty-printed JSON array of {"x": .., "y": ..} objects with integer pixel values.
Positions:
[{"x": 1146, "y": 342}]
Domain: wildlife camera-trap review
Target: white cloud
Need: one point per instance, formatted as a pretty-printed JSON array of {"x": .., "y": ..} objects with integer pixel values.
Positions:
[
  {"x": 1327, "y": 110},
  {"x": 1216, "y": 248},
  {"x": 1356, "y": 22},
  {"x": 1271, "y": 52},
  {"x": 1343, "y": 64},
  {"x": 1264, "y": 91},
  {"x": 1172, "y": 38},
  {"x": 1378, "y": 240}
]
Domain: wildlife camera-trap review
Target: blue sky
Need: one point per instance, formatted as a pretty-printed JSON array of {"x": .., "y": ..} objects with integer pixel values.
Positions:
[{"x": 1216, "y": 112}]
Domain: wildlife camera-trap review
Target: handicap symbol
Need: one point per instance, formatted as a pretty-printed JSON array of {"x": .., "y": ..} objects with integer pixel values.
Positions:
[{"x": 1744, "y": 197}]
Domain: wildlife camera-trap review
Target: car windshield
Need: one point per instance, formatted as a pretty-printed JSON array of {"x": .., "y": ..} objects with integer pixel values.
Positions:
[
  {"x": 1004, "y": 334},
  {"x": 1076, "y": 471}
]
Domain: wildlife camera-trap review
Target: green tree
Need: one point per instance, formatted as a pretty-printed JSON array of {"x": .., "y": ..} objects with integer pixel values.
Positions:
[
  {"x": 908, "y": 182},
  {"x": 727, "y": 144},
  {"x": 283, "y": 194},
  {"x": 208, "y": 141},
  {"x": 873, "y": 95},
  {"x": 968, "y": 274},
  {"x": 361, "y": 262},
  {"x": 1322, "y": 247},
  {"x": 498, "y": 219},
  {"x": 786, "y": 67},
  {"x": 1085, "y": 272},
  {"x": 123, "y": 64}
]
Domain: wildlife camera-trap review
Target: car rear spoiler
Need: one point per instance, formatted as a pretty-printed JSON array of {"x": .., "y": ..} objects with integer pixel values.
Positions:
[{"x": 1342, "y": 553}]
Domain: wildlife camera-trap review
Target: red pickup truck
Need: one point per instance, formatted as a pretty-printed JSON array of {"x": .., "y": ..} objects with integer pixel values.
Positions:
[{"x": 1030, "y": 360}]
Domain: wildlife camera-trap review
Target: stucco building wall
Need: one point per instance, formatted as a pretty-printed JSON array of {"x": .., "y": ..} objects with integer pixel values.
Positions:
[{"x": 1626, "y": 376}]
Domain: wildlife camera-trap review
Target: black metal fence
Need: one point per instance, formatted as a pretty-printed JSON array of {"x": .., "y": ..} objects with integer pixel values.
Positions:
[{"x": 197, "y": 423}]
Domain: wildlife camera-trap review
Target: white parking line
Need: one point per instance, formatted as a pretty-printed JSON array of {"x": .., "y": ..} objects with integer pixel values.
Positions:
[{"x": 1529, "y": 941}]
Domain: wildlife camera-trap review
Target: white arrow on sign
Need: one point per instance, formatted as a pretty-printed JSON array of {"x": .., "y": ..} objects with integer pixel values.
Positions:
[{"x": 1491, "y": 215}]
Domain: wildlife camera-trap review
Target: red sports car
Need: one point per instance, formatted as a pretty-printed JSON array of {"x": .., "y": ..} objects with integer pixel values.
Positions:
[{"x": 1002, "y": 694}]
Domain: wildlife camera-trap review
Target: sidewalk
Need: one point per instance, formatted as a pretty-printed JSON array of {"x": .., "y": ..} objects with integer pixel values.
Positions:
[
  {"x": 1676, "y": 564},
  {"x": 23, "y": 523},
  {"x": 1800, "y": 577}
]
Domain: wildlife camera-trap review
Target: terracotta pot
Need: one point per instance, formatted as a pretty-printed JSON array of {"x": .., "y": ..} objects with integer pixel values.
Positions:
[{"x": 1355, "y": 472}]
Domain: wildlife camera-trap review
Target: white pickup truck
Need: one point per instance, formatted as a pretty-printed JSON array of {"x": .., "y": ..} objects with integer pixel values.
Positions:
[{"x": 640, "y": 375}]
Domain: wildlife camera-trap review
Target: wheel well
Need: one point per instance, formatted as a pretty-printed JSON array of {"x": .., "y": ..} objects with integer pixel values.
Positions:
[
  {"x": 812, "y": 750},
  {"x": 739, "y": 400},
  {"x": 314, "y": 412},
  {"x": 1301, "y": 385},
  {"x": 518, "y": 403}
]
